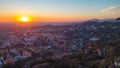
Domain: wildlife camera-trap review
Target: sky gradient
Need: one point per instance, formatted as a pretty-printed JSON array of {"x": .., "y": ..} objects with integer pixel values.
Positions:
[{"x": 58, "y": 10}]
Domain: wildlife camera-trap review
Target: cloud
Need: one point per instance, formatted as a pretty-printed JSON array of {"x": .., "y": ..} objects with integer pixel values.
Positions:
[{"x": 114, "y": 10}]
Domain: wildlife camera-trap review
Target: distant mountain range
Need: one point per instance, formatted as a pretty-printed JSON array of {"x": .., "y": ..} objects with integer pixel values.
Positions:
[
  {"x": 100, "y": 20},
  {"x": 59, "y": 23}
]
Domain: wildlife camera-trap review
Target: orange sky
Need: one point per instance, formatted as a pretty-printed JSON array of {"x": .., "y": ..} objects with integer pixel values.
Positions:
[
  {"x": 58, "y": 10},
  {"x": 50, "y": 18}
]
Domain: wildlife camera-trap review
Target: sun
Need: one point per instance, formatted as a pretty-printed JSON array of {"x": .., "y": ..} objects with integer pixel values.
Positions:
[{"x": 24, "y": 19}]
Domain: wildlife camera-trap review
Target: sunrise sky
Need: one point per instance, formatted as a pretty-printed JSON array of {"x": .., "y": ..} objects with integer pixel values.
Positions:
[{"x": 58, "y": 10}]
